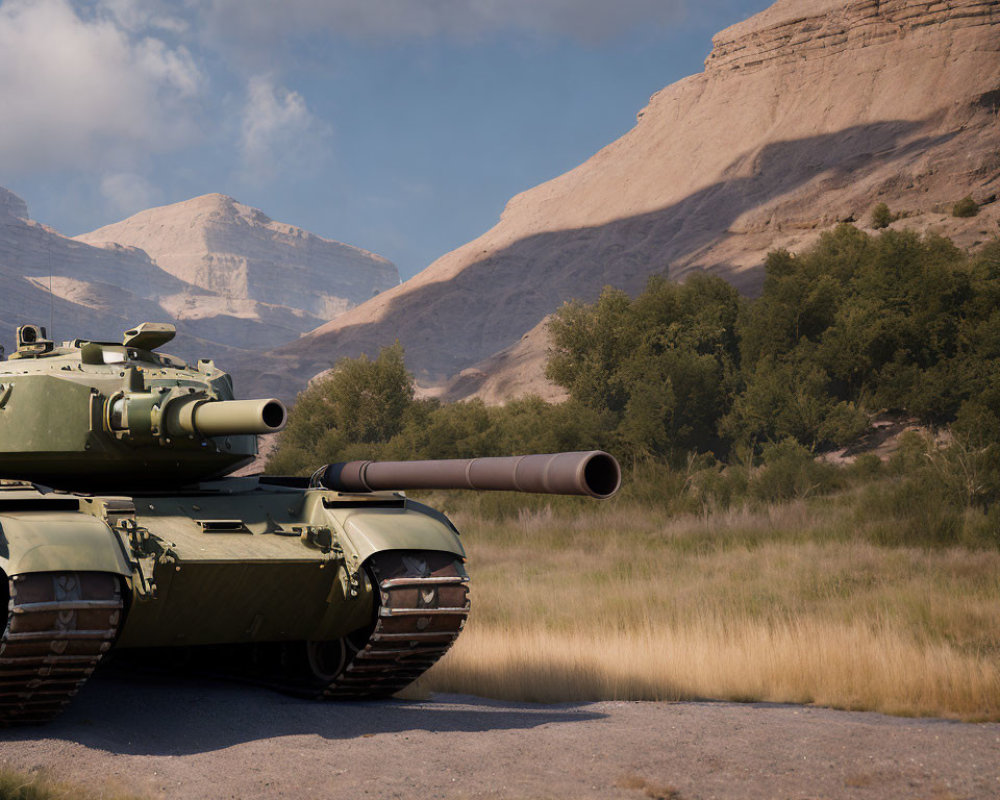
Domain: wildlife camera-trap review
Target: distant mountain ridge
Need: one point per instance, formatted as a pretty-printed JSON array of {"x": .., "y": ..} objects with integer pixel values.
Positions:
[
  {"x": 225, "y": 247},
  {"x": 807, "y": 114},
  {"x": 228, "y": 276}
]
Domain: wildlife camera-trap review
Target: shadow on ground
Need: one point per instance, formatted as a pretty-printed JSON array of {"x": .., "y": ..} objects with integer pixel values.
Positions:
[{"x": 160, "y": 715}]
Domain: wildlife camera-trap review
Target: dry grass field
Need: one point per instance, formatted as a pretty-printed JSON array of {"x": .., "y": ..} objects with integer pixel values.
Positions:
[
  {"x": 788, "y": 602},
  {"x": 39, "y": 785}
]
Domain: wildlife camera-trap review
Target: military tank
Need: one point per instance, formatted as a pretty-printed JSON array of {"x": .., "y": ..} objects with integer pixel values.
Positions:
[{"x": 121, "y": 533}]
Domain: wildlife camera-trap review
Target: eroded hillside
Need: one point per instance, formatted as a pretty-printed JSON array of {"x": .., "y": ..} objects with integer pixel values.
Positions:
[{"x": 806, "y": 115}]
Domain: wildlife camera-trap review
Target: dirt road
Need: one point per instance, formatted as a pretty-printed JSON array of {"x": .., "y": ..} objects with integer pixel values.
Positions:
[{"x": 169, "y": 738}]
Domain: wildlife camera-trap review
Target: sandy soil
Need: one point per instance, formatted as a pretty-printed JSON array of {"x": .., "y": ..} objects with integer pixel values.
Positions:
[{"x": 200, "y": 739}]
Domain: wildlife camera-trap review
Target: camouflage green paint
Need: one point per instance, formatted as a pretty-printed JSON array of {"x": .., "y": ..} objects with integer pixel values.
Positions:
[{"x": 47, "y": 541}]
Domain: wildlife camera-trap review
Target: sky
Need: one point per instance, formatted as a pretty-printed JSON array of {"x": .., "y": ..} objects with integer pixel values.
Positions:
[{"x": 399, "y": 126}]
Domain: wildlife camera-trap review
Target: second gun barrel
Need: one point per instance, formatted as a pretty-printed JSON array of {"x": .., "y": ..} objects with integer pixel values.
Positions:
[{"x": 593, "y": 473}]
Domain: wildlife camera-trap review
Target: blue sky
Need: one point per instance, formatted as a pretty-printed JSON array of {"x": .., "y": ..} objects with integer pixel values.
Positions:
[{"x": 400, "y": 126}]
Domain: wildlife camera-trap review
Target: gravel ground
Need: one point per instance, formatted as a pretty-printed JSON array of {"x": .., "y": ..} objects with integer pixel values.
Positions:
[{"x": 176, "y": 738}]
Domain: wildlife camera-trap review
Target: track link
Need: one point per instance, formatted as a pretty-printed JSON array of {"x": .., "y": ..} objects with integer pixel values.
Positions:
[
  {"x": 59, "y": 625},
  {"x": 423, "y": 605}
]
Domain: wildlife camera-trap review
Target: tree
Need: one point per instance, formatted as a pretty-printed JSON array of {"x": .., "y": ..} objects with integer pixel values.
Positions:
[
  {"x": 590, "y": 342},
  {"x": 658, "y": 367},
  {"x": 790, "y": 398},
  {"x": 367, "y": 399},
  {"x": 360, "y": 403}
]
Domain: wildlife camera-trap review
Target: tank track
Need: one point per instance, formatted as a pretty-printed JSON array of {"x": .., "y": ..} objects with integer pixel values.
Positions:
[
  {"x": 423, "y": 605},
  {"x": 59, "y": 625},
  {"x": 420, "y": 609}
]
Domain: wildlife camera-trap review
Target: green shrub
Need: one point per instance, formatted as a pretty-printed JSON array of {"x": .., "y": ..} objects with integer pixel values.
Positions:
[
  {"x": 911, "y": 454},
  {"x": 790, "y": 471},
  {"x": 966, "y": 207},
  {"x": 867, "y": 466},
  {"x": 911, "y": 512},
  {"x": 882, "y": 217},
  {"x": 982, "y": 528},
  {"x": 360, "y": 403}
]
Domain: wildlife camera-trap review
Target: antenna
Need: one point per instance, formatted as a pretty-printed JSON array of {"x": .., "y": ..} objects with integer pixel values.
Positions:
[{"x": 52, "y": 302}]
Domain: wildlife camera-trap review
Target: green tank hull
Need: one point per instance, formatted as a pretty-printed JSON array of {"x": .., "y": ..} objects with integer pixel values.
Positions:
[{"x": 303, "y": 584}]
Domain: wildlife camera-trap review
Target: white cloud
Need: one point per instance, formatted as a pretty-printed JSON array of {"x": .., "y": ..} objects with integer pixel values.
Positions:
[
  {"x": 589, "y": 20},
  {"x": 279, "y": 132},
  {"x": 137, "y": 15},
  {"x": 85, "y": 92},
  {"x": 128, "y": 193}
]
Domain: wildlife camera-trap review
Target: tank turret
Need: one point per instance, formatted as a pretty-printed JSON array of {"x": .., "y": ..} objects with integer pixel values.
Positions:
[{"x": 101, "y": 415}]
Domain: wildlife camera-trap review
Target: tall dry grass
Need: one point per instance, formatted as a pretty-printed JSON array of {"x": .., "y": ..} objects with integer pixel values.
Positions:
[
  {"x": 39, "y": 785},
  {"x": 787, "y": 603}
]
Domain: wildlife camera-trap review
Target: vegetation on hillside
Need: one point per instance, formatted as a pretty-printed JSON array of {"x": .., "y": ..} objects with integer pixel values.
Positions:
[
  {"x": 855, "y": 325},
  {"x": 726, "y": 400},
  {"x": 882, "y": 217},
  {"x": 966, "y": 207}
]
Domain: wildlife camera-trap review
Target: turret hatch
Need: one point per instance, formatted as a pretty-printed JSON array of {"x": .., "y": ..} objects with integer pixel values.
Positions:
[{"x": 149, "y": 335}]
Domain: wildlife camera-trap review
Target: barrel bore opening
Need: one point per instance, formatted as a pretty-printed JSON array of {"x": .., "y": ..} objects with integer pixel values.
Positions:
[
  {"x": 602, "y": 475},
  {"x": 273, "y": 415}
]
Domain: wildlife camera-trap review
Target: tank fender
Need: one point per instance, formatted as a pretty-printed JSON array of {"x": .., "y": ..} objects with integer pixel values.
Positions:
[
  {"x": 413, "y": 527},
  {"x": 46, "y": 542}
]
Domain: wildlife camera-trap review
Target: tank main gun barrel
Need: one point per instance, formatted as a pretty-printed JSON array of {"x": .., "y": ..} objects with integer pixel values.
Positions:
[
  {"x": 227, "y": 417},
  {"x": 192, "y": 415},
  {"x": 594, "y": 473}
]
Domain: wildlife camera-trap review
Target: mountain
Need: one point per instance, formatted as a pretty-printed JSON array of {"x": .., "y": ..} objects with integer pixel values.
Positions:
[
  {"x": 92, "y": 289},
  {"x": 231, "y": 279},
  {"x": 806, "y": 114},
  {"x": 258, "y": 265}
]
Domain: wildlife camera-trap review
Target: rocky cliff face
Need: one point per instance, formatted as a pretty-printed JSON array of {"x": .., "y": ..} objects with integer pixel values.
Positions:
[
  {"x": 231, "y": 279},
  {"x": 806, "y": 114}
]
